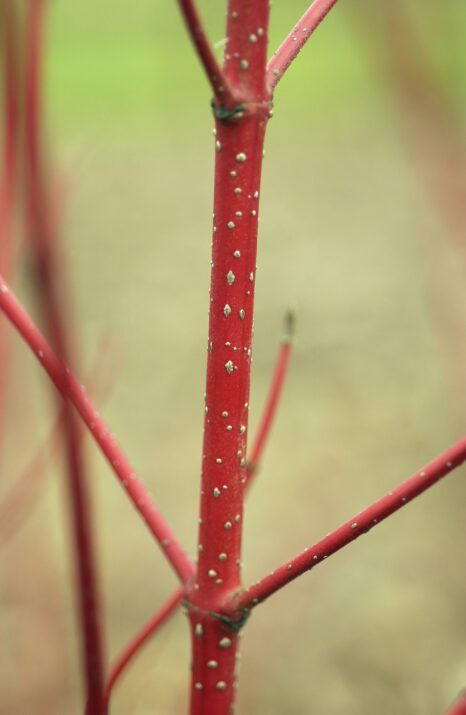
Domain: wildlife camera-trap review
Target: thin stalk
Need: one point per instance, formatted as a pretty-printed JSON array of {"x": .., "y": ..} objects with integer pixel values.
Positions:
[
  {"x": 459, "y": 706},
  {"x": 350, "y": 530},
  {"x": 9, "y": 43},
  {"x": 275, "y": 391},
  {"x": 136, "y": 644},
  {"x": 47, "y": 271},
  {"x": 97, "y": 427},
  {"x": 295, "y": 41},
  {"x": 221, "y": 87}
]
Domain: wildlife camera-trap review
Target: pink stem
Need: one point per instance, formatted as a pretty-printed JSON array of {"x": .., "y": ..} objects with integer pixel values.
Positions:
[
  {"x": 273, "y": 398},
  {"x": 151, "y": 627},
  {"x": 9, "y": 43},
  {"x": 459, "y": 706},
  {"x": 42, "y": 241},
  {"x": 100, "y": 432},
  {"x": 294, "y": 43},
  {"x": 351, "y": 530},
  {"x": 222, "y": 90},
  {"x": 139, "y": 641},
  {"x": 239, "y": 144}
]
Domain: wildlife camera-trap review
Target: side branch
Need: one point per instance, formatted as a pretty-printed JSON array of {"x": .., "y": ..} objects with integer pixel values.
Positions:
[
  {"x": 273, "y": 398},
  {"x": 294, "y": 43},
  {"x": 139, "y": 641},
  {"x": 75, "y": 393},
  {"x": 348, "y": 532},
  {"x": 153, "y": 625},
  {"x": 222, "y": 91},
  {"x": 459, "y": 706}
]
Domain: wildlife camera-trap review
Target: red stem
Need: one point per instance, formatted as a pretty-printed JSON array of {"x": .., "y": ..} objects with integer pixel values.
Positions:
[
  {"x": 351, "y": 530},
  {"x": 239, "y": 144},
  {"x": 222, "y": 90},
  {"x": 139, "y": 641},
  {"x": 9, "y": 45},
  {"x": 295, "y": 41},
  {"x": 150, "y": 628},
  {"x": 47, "y": 269},
  {"x": 99, "y": 430},
  {"x": 459, "y": 706},
  {"x": 275, "y": 391}
]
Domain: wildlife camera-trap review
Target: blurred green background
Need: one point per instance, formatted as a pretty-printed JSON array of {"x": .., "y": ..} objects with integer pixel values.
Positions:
[{"x": 351, "y": 239}]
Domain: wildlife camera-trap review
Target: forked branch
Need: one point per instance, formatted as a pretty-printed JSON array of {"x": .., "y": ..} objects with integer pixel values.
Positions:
[
  {"x": 295, "y": 41},
  {"x": 223, "y": 93},
  {"x": 352, "y": 529},
  {"x": 150, "y": 628},
  {"x": 100, "y": 432}
]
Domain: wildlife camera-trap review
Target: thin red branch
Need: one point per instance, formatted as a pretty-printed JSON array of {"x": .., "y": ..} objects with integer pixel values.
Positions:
[
  {"x": 9, "y": 49},
  {"x": 352, "y": 529},
  {"x": 223, "y": 92},
  {"x": 98, "y": 429},
  {"x": 139, "y": 641},
  {"x": 43, "y": 249},
  {"x": 459, "y": 706},
  {"x": 275, "y": 391},
  {"x": 295, "y": 41}
]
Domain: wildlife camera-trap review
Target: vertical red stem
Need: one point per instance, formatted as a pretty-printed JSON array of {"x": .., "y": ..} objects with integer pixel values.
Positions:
[
  {"x": 239, "y": 150},
  {"x": 9, "y": 51},
  {"x": 47, "y": 266}
]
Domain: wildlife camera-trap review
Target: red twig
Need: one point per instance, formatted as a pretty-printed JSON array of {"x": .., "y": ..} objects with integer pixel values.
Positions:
[
  {"x": 9, "y": 53},
  {"x": 273, "y": 398},
  {"x": 296, "y": 40},
  {"x": 139, "y": 641},
  {"x": 42, "y": 241},
  {"x": 459, "y": 706},
  {"x": 351, "y": 530},
  {"x": 100, "y": 432},
  {"x": 222, "y": 90}
]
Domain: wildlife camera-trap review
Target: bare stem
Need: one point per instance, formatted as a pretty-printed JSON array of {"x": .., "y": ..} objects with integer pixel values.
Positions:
[
  {"x": 275, "y": 391},
  {"x": 100, "y": 432},
  {"x": 294, "y": 43},
  {"x": 223, "y": 92},
  {"x": 158, "y": 619},
  {"x": 136, "y": 644},
  {"x": 351, "y": 530},
  {"x": 459, "y": 706},
  {"x": 45, "y": 256}
]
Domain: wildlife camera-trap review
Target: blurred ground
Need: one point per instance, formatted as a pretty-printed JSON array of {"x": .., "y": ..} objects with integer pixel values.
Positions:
[{"x": 348, "y": 240}]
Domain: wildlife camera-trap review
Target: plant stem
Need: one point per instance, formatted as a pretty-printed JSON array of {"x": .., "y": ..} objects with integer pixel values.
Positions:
[
  {"x": 351, "y": 530},
  {"x": 100, "y": 432},
  {"x": 9, "y": 44},
  {"x": 239, "y": 150},
  {"x": 459, "y": 706},
  {"x": 140, "y": 639},
  {"x": 220, "y": 85},
  {"x": 295, "y": 41},
  {"x": 273, "y": 398},
  {"x": 43, "y": 246}
]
